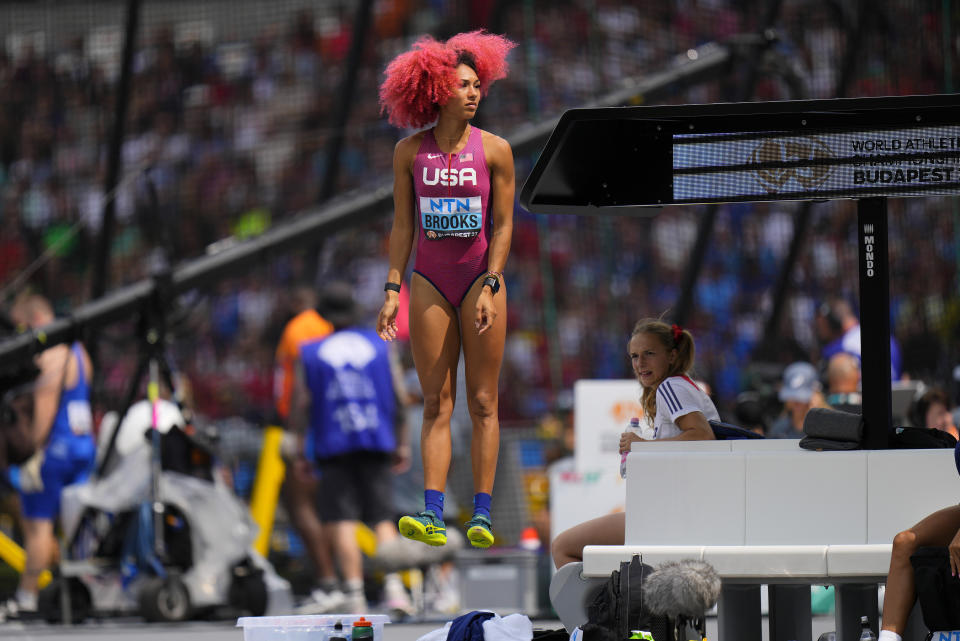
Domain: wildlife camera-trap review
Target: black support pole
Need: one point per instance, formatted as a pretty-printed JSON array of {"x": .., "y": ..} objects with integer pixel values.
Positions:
[
  {"x": 875, "y": 334},
  {"x": 101, "y": 266},
  {"x": 101, "y": 259},
  {"x": 361, "y": 27},
  {"x": 771, "y": 329},
  {"x": 695, "y": 265}
]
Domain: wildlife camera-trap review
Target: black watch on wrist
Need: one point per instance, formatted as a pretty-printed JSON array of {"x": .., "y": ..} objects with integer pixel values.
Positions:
[
  {"x": 391, "y": 287},
  {"x": 493, "y": 282}
]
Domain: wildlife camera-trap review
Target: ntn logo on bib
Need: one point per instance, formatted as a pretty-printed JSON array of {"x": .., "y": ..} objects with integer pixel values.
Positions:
[{"x": 440, "y": 217}]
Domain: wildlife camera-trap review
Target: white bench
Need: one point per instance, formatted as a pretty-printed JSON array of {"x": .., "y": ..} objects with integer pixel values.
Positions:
[{"x": 769, "y": 512}]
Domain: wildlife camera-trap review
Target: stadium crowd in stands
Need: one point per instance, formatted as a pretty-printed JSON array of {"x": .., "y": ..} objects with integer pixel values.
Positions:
[{"x": 232, "y": 131}]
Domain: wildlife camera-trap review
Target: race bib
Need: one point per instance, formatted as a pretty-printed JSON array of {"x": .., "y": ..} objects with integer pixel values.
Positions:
[
  {"x": 451, "y": 216},
  {"x": 80, "y": 417}
]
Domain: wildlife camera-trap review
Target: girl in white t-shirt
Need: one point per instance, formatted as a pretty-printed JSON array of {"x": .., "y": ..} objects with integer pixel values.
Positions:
[{"x": 674, "y": 406}]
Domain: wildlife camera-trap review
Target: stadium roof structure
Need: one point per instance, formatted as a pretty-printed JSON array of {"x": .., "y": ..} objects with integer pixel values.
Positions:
[{"x": 632, "y": 160}]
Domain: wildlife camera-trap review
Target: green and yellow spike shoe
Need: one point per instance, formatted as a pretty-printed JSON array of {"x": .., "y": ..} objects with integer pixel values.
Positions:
[
  {"x": 479, "y": 531},
  {"x": 424, "y": 526}
]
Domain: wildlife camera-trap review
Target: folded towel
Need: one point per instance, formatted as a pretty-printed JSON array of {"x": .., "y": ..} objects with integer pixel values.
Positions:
[{"x": 835, "y": 425}]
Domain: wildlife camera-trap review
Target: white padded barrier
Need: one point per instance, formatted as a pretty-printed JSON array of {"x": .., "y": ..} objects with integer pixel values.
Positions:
[
  {"x": 904, "y": 487},
  {"x": 769, "y": 561},
  {"x": 769, "y": 512},
  {"x": 858, "y": 560},
  {"x": 601, "y": 560},
  {"x": 681, "y": 446},
  {"x": 803, "y": 497},
  {"x": 726, "y": 445},
  {"x": 672, "y": 495},
  {"x": 764, "y": 445}
]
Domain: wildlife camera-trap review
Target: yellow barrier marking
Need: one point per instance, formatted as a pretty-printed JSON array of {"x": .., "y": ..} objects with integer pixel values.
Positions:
[
  {"x": 266, "y": 487},
  {"x": 16, "y": 558}
]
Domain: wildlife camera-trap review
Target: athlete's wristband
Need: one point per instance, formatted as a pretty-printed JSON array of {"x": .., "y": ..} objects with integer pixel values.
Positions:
[
  {"x": 492, "y": 282},
  {"x": 391, "y": 287}
]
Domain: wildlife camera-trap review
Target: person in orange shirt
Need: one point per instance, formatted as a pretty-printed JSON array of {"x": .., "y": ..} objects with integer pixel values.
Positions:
[
  {"x": 300, "y": 484},
  {"x": 305, "y": 325}
]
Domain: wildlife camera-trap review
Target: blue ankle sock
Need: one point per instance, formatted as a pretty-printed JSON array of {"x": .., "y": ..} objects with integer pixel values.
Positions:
[
  {"x": 433, "y": 500},
  {"x": 481, "y": 504}
]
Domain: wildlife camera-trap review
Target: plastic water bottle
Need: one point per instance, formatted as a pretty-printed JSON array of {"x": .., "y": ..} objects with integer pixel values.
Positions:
[
  {"x": 362, "y": 629},
  {"x": 635, "y": 428},
  {"x": 338, "y": 633},
  {"x": 866, "y": 634}
]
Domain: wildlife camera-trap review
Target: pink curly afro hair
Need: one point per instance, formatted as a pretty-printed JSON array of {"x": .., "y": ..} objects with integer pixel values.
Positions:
[{"x": 421, "y": 79}]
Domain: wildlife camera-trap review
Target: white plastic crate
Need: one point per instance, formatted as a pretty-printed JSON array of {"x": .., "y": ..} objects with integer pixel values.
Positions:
[
  {"x": 316, "y": 627},
  {"x": 499, "y": 579}
]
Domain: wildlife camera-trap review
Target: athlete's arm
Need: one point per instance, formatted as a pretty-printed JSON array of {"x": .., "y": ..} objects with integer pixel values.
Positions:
[
  {"x": 401, "y": 234},
  {"x": 298, "y": 418},
  {"x": 46, "y": 392},
  {"x": 401, "y": 457},
  {"x": 694, "y": 427},
  {"x": 284, "y": 362},
  {"x": 502, "y": 186}
]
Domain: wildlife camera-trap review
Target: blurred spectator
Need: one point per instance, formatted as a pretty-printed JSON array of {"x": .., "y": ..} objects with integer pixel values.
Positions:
[
  {"x": 843, "y": 383},
  {"x": 932, "y": 410},
  {"x": 839, "y": 330},
  {"x": 799, "y": 391},
  {"x": 749, "y": 412}
]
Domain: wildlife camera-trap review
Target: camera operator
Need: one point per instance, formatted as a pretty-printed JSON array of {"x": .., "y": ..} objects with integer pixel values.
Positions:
[{"x": 61, "y": 425}]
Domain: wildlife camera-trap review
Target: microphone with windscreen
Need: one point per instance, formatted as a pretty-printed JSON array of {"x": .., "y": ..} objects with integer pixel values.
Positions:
[{"x": 681, "y": 589}]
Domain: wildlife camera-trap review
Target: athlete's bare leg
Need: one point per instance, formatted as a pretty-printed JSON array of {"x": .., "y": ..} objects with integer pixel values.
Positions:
[
  {"x": 41, "y": 547},
  {"x": 604, "y": 530},
  {"x": 938, "y": 529},
  {"x": 482, "y": 357},
  {"x": 435, "y": 343},
  {"x": 298, "y": 491},
  {"x": 347, "y": 549}
]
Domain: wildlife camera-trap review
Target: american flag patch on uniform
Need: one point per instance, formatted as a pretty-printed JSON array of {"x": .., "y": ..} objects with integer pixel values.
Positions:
[{"x": 467, "y": 157}]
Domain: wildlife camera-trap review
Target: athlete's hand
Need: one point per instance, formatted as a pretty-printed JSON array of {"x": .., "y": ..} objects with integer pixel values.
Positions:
[
  {"x": 954, "y": 551},
  {"x": 387, "y": 321},
  {"x": 626, "y": 439},
  {"x": 31, "y": 480},
  {"x": 486, "y": 311},
  {"x": 401, "y": 459}
]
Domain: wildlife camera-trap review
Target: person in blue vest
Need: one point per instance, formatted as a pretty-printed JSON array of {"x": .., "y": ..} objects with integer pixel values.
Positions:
[
  {"x": 838, "y": 329},
  {"x": 347, "y": 406},
  {"x": 62, "y": 426}
]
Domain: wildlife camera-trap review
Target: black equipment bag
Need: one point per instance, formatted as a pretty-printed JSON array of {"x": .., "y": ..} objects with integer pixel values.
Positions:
[
  {"x": 618, "y": 606},
  {"x": 921, "y": 438},
  {"x": 937, "y": 591}
]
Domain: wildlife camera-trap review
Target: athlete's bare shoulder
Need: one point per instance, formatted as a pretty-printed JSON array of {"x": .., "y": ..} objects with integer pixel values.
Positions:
[
  {"x": 406, "y": 149},
  {"x": 411, "y": 143},
  {"x": 496, "y": 149}
]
